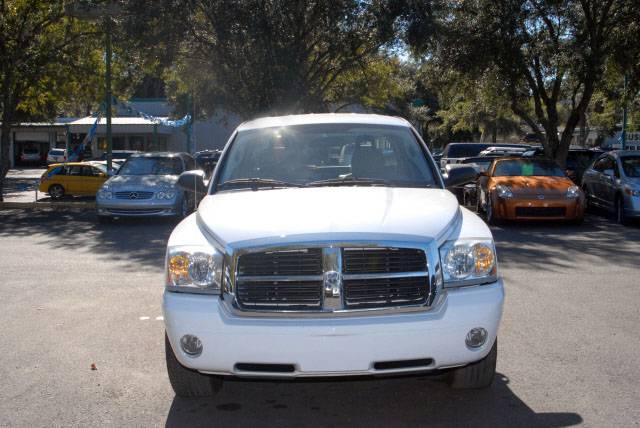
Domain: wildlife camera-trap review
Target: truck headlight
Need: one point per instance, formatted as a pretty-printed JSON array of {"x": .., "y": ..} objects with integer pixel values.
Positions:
[
  {"x": 193, "y": 269},
  {"x": 504, "y": 191},
  {"x": 468, "y": 262},
  {"x": 573, "y": 192}
]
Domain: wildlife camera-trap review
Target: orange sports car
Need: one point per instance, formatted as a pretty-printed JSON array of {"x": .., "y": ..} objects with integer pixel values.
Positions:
[{"x": 528, "y": 189}]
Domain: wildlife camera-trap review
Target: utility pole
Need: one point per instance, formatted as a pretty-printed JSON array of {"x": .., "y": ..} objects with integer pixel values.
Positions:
[
  {"x": 95, "y": 11},
  {"x": 623, "y": 138},
  {"x": 108, "y": 95}
]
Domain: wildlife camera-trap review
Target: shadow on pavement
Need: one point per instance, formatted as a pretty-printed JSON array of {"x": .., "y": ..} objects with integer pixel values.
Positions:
[
  {"x": 556, "y": 245},
  {"x": 137, "y": 241},
  {"x": 398, "y": 402}
]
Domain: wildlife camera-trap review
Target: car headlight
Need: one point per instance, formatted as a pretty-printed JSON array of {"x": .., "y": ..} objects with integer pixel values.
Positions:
[
  {"x": 468, "y": 262},
  {"x": 194, "y": 269},
  {"x": 105, "y": 194},
  {"x": 504, "y": 191},
  {"x": 165, "y": 195},
  {"x": 573, "y": 192}
]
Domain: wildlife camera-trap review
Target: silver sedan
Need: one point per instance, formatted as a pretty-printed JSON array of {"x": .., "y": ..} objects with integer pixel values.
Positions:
[
  {"x": 612, "y": 182},
  {"x": 146, "y": 185}
]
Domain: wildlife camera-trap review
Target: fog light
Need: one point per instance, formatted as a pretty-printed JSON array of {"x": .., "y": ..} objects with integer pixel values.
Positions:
[
  {"x": 191, "y": 345},
  {"x": 476, "y": 337}
]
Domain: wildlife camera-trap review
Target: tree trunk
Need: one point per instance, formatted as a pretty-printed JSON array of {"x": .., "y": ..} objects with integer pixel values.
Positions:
[{"x": 5, "y": 161}]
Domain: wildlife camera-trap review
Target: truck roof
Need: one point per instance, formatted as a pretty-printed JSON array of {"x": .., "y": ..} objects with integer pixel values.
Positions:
[{"x": 310, "y": 119}]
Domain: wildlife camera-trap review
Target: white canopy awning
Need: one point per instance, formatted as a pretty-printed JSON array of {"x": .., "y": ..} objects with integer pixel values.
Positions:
[{"x": 119, "y": 125}]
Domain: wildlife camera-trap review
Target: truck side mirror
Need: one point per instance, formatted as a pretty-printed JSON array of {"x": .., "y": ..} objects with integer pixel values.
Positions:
[
  {"x": 193, "y": 181},
  {"x": 457, "y": 175}
]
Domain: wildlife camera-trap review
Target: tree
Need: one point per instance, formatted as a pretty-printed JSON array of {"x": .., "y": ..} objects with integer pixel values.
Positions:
[
  {"x": 276, "y": 56},
  {"x": 41, "y": 49},
  {"x": 468, "y": 104},
  {"x": 545, "y": 52}
]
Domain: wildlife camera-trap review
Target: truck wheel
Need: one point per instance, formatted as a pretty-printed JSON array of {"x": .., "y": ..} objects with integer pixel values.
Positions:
[
  {"x": 186, "y": 382},
  {"x": 56, "y": 191},
  {"x": 476, "y": 375}
]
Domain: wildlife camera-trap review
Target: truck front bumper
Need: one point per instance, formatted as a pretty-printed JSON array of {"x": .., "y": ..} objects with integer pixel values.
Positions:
[{"x": 334, "y": 346}]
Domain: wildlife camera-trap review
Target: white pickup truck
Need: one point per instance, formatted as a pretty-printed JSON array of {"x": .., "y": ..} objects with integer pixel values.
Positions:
[{"x": 327, "y": 245}]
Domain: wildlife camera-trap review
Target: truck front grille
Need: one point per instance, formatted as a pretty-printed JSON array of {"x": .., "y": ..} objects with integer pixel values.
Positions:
[
  {"x": 276, "y": 295},
  {"x": 332, "y": 279},
  {"x": 271, "y": 263},
  {"x": 387, "y": 260},
  {"x": 385, "y": 292}
]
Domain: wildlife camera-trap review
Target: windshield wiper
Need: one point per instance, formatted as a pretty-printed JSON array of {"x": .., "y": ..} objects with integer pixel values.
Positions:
[
  {"x": 350, "y": 181},
  {"x": 254, "y": 183}
]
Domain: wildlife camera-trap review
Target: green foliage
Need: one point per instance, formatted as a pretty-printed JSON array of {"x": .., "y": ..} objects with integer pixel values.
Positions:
[
  {"x": 546, "y": 53},
  {"x": 277, "y": 56}
]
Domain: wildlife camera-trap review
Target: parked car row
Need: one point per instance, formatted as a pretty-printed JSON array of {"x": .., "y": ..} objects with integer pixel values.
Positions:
[{"x": 534, "y": 188}]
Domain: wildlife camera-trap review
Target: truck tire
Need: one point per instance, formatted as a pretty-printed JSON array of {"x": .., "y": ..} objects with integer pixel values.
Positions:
[
  {"x": 186, "y": 382},
  {"x": 476, "y": 375}
]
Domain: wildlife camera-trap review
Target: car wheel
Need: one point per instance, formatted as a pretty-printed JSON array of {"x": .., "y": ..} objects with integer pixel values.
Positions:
[
  {"x": 619, "y": 216},
  {"x": 103, "y": 219},
  {"x": 56, "y": 191},
  {"x": 476, "y": 375},
  {"x": 489, "y": 214},
  {"x": 186, "y": 382}
]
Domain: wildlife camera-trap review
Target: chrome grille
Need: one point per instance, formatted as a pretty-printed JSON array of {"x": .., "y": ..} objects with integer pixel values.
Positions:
[
  {"x": 383, "y": 292},
  {"x": 388, "y": 260},
  {"x": 274, "y": 295},
  {"x": 134, "y": 195},
  {"x": 331, "y": 279},
  {"x": 295, "y": 262}
]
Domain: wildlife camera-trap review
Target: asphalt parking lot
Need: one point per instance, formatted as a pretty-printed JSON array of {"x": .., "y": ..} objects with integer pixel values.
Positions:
[{"x": 75, "y": 293}]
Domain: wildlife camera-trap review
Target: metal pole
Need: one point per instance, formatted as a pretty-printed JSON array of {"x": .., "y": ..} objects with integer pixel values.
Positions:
[
  {"x": 67, "y": 145},
  {"x": 108, "y": 93},
  {"x": 624, "y": 116},
  {"x": 189, "y": 128},
  {"x": 155, "y": 137}
]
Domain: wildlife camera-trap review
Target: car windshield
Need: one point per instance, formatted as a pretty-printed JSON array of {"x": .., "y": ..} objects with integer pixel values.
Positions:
[
  {"x": 527, "y": 168},
  {"x": 56, "y": 152},
  {"x": 326, "y": 155},
  {"x": 151, "y": 166},
  {"x": 631, "y": 165},
  {"x": 31, "y": 151},
  {"x": 101, "y": 167}
]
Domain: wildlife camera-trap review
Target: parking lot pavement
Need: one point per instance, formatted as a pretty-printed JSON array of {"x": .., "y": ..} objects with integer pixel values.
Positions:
[{"x": 75, "y": 293}]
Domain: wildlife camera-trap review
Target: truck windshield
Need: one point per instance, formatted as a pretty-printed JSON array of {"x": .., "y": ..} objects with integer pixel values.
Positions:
[{"x": 326, "y": 155}]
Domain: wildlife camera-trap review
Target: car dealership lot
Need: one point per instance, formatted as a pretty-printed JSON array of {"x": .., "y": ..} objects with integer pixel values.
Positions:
[{"x": 75, "y": 293}]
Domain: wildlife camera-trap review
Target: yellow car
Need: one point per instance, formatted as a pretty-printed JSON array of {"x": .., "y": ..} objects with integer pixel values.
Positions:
[{"x": 73, "y": 178}]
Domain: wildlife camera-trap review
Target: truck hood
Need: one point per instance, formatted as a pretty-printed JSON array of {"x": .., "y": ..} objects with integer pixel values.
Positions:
[
  {"x": 253, "y": 218},
  {"x": 135, "y": 182}
]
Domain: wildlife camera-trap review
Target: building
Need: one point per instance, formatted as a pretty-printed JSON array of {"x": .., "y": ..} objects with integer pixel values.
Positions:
[{"x": 129, "y": 128}]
